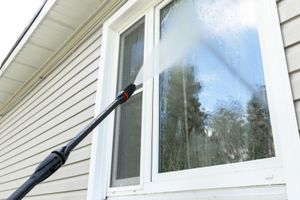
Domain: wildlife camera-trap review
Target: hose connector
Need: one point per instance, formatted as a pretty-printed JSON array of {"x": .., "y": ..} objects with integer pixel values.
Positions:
[{"x": 126, "y": 93}]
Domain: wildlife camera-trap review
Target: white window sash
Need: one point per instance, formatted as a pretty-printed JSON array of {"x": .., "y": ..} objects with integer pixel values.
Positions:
[{"x": 256, "y": 172}]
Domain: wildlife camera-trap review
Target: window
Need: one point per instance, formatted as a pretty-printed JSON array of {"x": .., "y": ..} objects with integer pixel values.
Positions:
[
  {"x": 213, "y": 106},
  {"x": 214, "y": 115},
  {"x": 127, "y": 134}
]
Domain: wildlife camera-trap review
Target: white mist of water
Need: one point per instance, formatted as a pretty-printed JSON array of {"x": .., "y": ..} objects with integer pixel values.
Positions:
[
  {"x": 179, "y": 36},
  {"x": 191, "y": 24}
]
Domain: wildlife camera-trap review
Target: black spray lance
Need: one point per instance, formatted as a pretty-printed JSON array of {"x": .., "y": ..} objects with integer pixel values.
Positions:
[{"x": 58, "y": 157}]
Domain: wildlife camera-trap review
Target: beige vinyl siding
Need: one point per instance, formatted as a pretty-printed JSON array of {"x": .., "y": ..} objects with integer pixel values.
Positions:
[
  {"x": 289, "y": 11},
  {"x": 51, "y": 114}
]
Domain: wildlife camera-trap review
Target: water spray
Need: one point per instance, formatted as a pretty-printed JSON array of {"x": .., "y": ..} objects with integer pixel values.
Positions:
[{"x": 58, "y": 157}]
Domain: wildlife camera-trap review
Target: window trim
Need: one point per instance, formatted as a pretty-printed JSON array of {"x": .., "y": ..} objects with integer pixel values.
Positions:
[
  {"x": 286, "y": 151},
  {"x": 102, "y": 143},
  {"x": 287, "y": 141}
]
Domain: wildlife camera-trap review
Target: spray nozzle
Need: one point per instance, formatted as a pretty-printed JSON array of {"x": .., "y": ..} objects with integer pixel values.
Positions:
[{"x": 126, "y": 93}]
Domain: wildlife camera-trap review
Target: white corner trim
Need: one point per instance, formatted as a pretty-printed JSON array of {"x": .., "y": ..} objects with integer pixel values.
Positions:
[
  {"x": 287, "y": 131},
  {"x": 97, "y": 179}
]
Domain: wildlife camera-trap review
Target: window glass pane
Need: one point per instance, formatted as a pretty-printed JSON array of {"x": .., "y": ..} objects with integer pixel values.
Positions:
[
  {"x": 213, "y": 103},
  {"x": 127, "y": 136},
  {"x": 131, "y": 55}
]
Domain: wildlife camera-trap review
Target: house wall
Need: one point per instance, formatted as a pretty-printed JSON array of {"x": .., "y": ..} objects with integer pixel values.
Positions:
[
  {"x": 52, "y": 113},
  {"x": 63, "y": 102},
  {"x": 289, "y": 12}
]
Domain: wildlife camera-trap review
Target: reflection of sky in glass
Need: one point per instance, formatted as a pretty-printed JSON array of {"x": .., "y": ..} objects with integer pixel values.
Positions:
[
  {"x": 228, "y": 62},
  {"x": 233, "y": 71}
]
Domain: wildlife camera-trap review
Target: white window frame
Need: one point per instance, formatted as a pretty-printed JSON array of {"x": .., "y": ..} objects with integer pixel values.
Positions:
[
  {"x": 283, "y": 169},
  {"x": 247, "y": 173},
  {"x": 116, "y": 139}
]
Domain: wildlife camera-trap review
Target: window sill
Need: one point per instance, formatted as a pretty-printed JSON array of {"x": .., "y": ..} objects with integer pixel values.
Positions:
[
  {"x": 244, "y": 174},
  {"x": 268, "y": 192}
]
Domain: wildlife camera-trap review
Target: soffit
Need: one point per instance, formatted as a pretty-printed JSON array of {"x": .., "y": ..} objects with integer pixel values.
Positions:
[{"x": 58, "y": 21}]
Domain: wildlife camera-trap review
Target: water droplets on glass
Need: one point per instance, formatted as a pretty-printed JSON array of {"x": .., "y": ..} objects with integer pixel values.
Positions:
[{"x": 213, "y": 102}]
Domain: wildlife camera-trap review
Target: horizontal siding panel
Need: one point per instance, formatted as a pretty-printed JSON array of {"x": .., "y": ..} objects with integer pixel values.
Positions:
[
  {"x": 11, "y": 186},
  {"x": 16, "y": 155},
  {"x": 288, "y": 9},
  {"x": 78, "y": 155},
  {"x": 67, "y": 66},
  {"x": 39, "y": 156},
  {"x": 69, "y": 171},
  {"x": 25, "y": 129},
  {"x": 291, "y": 31},
  {"x": 289, "y": 12},
  {"x": 69, "y": 184},
  {"x": 47, "y": 147},
  {"x": 80, "y": 168},
  {"x": 74, "y": 195},
  {"x": 73, "y": 101},
  {"x": 82, "y": 78},
  {"x": 295, "y": 82},
  {"x": 297, "y": 107},
  {"x": 56, "y": 109},
  {"x": 51, "y": 128},
  {"x": 82, "y": 154},
  {"x": 74, "y": 183},
  {"x": 293, "y": 57},
  {"x": 51, "y": 92},
  {"x": 60, "y": 98},
  {"x": 20, "y": 162},
  {"x": 75, "y": 157},
  {"x": 14, "y": 169}
]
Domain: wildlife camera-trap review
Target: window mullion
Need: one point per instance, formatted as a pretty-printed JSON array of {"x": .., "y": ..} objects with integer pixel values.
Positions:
[{"x": 147, "y": 116}]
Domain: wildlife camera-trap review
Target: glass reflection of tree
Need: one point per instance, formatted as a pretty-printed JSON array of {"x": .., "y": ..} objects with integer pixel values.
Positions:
[
  {"x": 260, "y": 142},
  {"x": 181, "y": 119},
  {"x": 238, "y": 136},
  {"x": 190, "y": 137},
  {"x": 227, "y": 134}
]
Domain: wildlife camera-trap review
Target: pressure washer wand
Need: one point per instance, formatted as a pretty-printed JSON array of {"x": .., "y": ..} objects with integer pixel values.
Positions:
[{"x": 58, "y": 157}]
